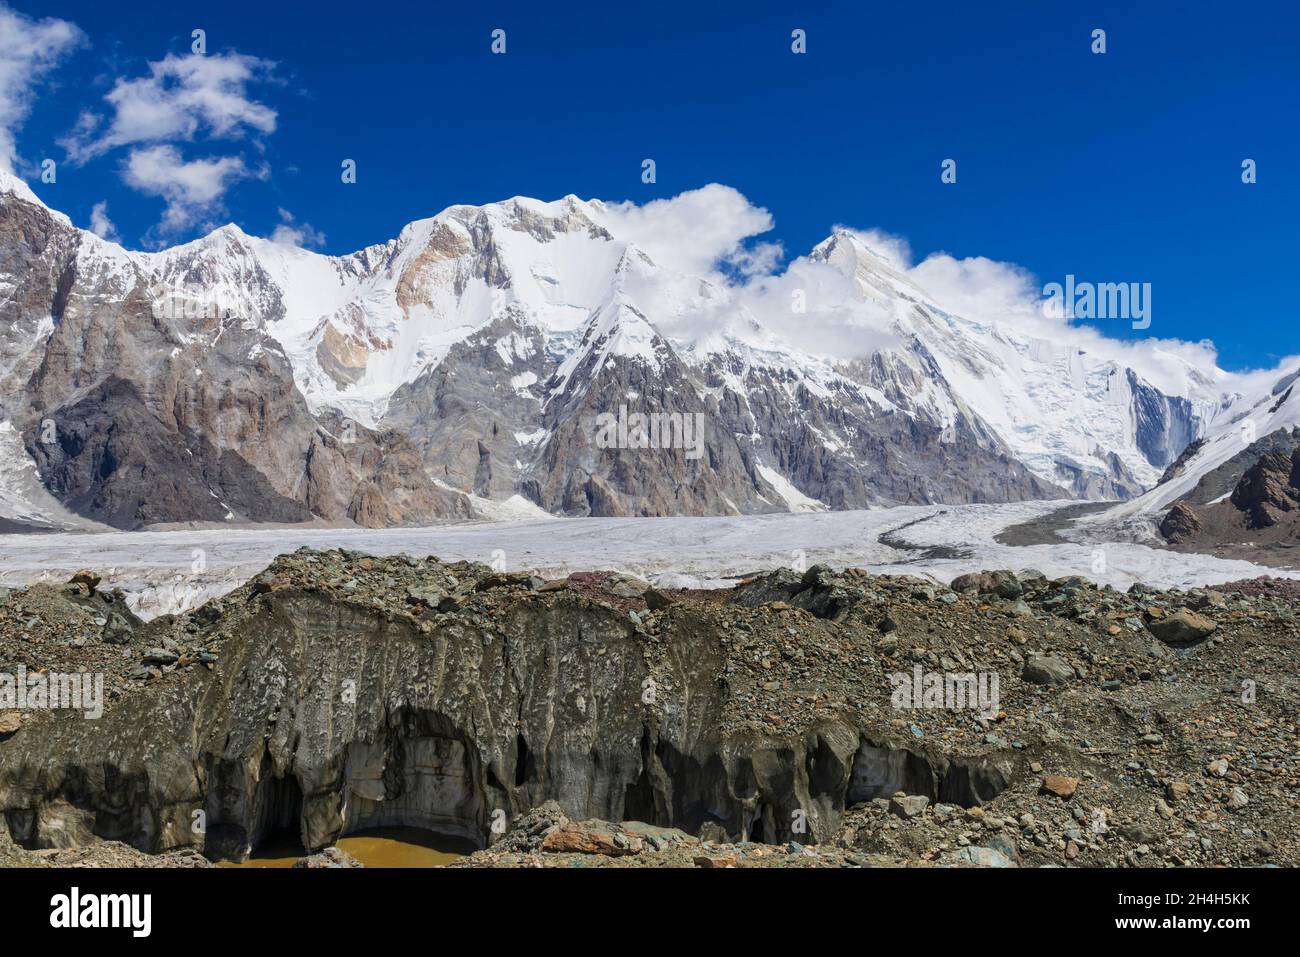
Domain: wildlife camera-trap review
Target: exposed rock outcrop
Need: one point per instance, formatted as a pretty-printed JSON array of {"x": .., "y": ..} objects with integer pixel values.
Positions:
[
  {"x": 1268, "y": 490},
  {"x": 1181, "y": 524},
  {"x": 472, "y": 355},
  {"x": 337, "y": 692},
  {"x": 1257, "y": 518}
]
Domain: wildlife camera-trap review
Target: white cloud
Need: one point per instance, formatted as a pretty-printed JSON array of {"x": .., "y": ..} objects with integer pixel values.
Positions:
[
  {"x": 29, "y": 49},
  {"x": 984, "y": 290},
  {"x": 993, "y": 292},
  {"x": 696, "y": 232},
  {"x": 101, "y": 225},
  {"x": 704, "y": 233},
  {"x": 300, "y": 234},
  {"x": 180, "y": 98},
  {"x": 192, "y": 189},
  {"x": 817, "y": 309}
]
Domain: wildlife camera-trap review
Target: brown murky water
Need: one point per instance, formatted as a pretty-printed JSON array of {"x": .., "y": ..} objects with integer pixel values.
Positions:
[{"x": 377, "y": 847}]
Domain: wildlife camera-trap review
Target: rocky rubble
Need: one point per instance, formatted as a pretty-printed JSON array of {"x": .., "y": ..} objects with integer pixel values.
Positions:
[
  {"x": 79, "y": 627},
  {"x": 1258, "y": 518},
  {"x": 595, "y": 720},
  {"x": 96, "y": 854},
  {"x": 546, "y": 837}
]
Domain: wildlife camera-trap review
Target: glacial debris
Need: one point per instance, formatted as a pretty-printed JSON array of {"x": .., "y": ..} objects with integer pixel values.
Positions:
[{"x": 337, "y": 692}]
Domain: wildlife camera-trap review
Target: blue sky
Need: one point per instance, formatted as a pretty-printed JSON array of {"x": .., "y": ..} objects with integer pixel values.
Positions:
[{"x": 1117, "y": 167}]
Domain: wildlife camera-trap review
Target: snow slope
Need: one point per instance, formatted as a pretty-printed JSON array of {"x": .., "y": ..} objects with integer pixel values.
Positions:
[
  {"x": 358, "y": 328},
  {"x": 156, "y": 569},
  {"x": 1270, "y": 406},
  {"x": 1053, "y": 405}
]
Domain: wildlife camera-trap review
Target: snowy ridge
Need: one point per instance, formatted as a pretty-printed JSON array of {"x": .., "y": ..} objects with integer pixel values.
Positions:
[
  {"x": 9, "y": 183},
  {"x": 560, "y": 297},
  {"x": 1052, "y": 405},
  {"x": 1231, "y": 430}
]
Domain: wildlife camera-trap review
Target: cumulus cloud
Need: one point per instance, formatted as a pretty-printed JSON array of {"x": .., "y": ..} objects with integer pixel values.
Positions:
[
  {"x": 192, "y": 189},
  {"x": 181, "y": 98},
  {"x": 999, "y": 293},
  {"x": 984, "y": 290},
  {"x": 302, "y": 235},
  {"x": 709, "y": 233},
  {"x": 101, "y": 225},
  {"x": 698, "y": 232},
  {"x": 29, "y": 49},
  {"x": 818, "y": 307}
]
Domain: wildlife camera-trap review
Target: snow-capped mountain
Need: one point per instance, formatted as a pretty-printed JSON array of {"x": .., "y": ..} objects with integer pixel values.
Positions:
[
  {"x": 1085, "y": 422},
  {"x": 1262, "y": 418},
  {"x": 472, "y": 358}
]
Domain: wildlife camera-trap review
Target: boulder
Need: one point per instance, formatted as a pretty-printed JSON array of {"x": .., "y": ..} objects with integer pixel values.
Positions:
[
  {"x": 330, "y": 857},
  {"x": 575, "y": 838},
  {"x": 1183, "y": 627},
  {"x": 983, "y": 857},
  {"x": 1181, "y": 524},
  {"x": 908, "y": 806},
  {"x": 87, "y": 579},
  {"x": 1060, "y": 785},
  {"x": 1046, "y": 670}
]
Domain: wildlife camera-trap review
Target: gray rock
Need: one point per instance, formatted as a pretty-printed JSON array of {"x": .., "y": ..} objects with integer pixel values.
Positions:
[
  {"x": 1046, "y": 670},
  {"x": 908, "y": 806},
  {"x": 1184, "y": 627},
  {"x": 983, "y": 857},
  {"x": 330, "y": 857}
]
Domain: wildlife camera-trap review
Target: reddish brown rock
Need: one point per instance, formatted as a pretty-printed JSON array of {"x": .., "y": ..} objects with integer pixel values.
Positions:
[
  {"x": 575, "y": 839},
  {"x": 1181, "y": 524},
  {"x": 1267, "y": 490},
  {"x": 1060, "y": 785}
]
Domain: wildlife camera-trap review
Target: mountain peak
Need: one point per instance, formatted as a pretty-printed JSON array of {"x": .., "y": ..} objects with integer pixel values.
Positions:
[
  {"x": 523, "y": 305},
  {"x": 231, "y": 231},
  {"x": 11, "y": 183},
  {"x": 847, "y": 244}
]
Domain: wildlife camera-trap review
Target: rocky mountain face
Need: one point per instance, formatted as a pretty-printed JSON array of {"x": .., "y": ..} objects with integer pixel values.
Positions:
[
  {"x": 135, "y": 414},
  {"x": 1165, "y": 425},
  {"x": 337, "y": 691},
  {"x": 1233, "y": 489},
  {"x": 1263, "y": 508},
  {"x": 1269, "y": 490},
  {"x": 476, "y": 357}
]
